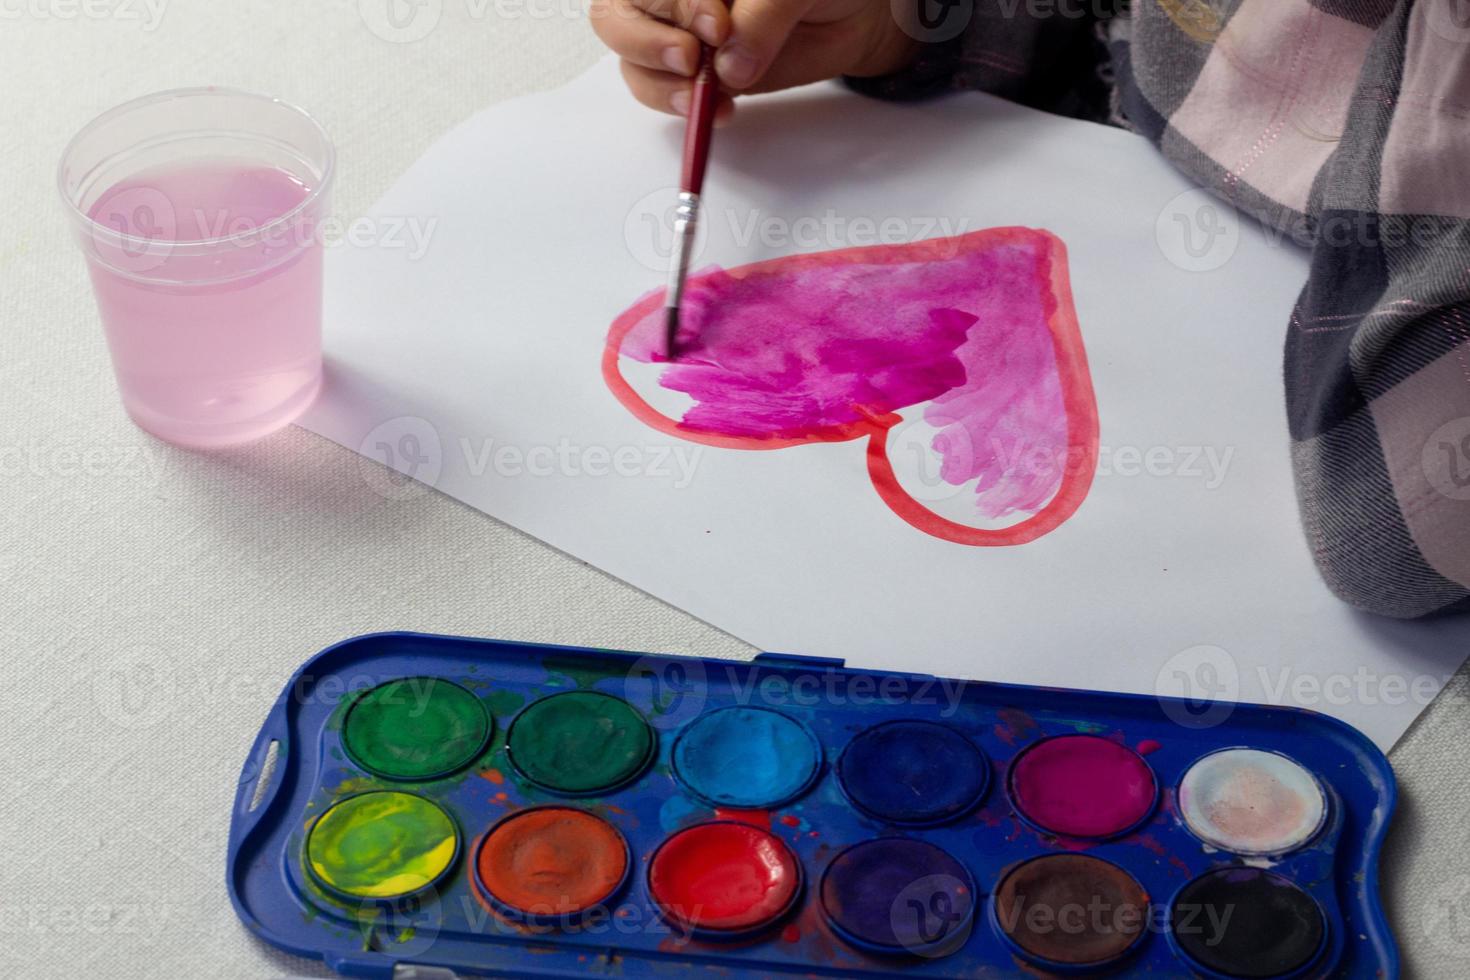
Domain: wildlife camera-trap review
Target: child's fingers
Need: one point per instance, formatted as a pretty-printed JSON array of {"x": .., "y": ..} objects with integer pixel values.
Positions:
[
  {"x": 708, "y": 20},
  {"x": 638, "y": 38},
  {"x": 758, "y": 30},
  {"x": 657, "y": 89},
  {"x": 808, "y": 56},
  {"x": 667, "y": 92}
]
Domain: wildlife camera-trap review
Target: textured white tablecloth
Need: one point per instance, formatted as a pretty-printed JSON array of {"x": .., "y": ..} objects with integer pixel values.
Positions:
[{"x": 153, "y": 601}]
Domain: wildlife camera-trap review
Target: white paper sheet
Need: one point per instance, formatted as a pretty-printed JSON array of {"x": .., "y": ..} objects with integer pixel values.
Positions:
[{"x": 473, "y": 364}]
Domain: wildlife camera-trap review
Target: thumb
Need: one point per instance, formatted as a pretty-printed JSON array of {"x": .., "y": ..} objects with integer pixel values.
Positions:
[{"x": 759, "y": 29}]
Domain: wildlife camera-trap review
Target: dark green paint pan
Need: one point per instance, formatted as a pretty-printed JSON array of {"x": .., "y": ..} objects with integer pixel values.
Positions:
[
  {"x": 580, "y": 742},
  {"x": 416, "y": 728}
]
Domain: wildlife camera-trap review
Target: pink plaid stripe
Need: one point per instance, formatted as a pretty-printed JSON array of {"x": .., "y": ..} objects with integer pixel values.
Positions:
[
  {"x": 1426, "y": 163},
  {"x": 1273, "y": 96}
]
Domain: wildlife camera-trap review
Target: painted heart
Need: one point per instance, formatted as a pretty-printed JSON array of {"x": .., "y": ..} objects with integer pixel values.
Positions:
[{"x": 967, "y": 347}]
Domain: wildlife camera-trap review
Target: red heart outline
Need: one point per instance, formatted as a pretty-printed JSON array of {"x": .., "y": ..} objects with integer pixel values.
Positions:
[{"x": 1078, "y": 399}]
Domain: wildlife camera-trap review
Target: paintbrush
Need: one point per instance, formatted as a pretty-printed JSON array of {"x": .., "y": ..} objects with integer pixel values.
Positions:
[{"x": 697, "y": 130}]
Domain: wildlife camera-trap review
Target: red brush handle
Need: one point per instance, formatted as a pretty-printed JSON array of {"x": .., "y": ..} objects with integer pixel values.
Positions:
[{"x": 701, "y": 122}]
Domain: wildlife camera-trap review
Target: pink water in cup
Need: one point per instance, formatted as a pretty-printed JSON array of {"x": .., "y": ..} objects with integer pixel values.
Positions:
[{"x": 198, "y": 212}]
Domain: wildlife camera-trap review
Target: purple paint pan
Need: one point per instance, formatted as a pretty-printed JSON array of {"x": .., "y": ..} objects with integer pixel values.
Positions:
[{"x": 899, "y": 896}]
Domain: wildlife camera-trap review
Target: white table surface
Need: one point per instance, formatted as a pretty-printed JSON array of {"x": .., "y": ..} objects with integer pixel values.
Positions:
[{"x": 153, "y": 601}]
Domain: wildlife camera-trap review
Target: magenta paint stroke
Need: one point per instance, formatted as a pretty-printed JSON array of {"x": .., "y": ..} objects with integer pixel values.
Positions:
[{"x": 978, "y": 331}]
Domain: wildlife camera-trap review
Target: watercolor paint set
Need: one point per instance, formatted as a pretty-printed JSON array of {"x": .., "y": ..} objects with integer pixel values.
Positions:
[{"x": 518, "y": 810}]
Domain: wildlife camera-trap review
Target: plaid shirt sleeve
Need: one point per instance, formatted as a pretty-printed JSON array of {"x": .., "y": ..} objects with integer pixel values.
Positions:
[{"x": 1345, "y": 123}]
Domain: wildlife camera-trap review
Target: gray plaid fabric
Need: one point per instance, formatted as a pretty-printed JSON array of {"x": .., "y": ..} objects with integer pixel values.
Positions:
[{"x": 1345, "y": 123}]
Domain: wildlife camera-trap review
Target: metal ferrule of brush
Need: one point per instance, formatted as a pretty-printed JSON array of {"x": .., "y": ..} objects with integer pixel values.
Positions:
[{"x": 686, "y": 220}]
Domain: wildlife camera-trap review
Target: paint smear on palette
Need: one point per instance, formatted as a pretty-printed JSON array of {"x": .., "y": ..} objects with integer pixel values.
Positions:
[{"x": 976, "y": 333}]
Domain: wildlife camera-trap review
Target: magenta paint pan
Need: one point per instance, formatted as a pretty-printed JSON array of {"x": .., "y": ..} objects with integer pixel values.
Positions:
[{"x": 1082, "y": 786}]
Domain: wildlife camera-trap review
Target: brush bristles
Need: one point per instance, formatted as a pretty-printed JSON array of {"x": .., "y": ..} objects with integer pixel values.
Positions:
[{"x": 671, "y": 330}]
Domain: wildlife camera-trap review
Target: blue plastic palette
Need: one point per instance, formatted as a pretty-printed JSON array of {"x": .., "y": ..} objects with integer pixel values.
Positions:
[{"x": 671, "y": 816}]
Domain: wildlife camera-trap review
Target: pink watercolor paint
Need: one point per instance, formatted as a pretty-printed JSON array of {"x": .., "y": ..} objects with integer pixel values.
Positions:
[
  {"x": 979, "y": 330},
  {"x": 213, "y": 322},
  {"x": 1082, "y": 786}
]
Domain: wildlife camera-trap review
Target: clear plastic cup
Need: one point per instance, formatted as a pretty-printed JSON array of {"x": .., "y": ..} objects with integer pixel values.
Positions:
[{"x": 198, "y": 212}]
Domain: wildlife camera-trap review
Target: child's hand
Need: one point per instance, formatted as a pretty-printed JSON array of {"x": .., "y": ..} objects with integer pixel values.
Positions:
[{"x": 762, "y": 45}]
